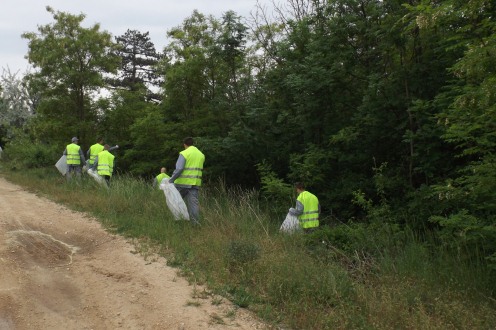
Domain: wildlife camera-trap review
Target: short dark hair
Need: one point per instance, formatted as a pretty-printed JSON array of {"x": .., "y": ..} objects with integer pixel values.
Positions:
[
  {"x": 299, "y": 185},
  {"x": 188, "y": 141}
]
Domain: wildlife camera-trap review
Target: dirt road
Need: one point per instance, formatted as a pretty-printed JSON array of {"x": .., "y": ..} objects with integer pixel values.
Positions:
[{"x": 60, "y": 270}]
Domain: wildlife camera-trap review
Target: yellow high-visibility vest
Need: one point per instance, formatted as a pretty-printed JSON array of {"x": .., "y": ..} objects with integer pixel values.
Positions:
[
  {"x": 73, "y": 157},
  {"x": 193, "y": 169},
  {"x": 94, "y": 151},
  {"x": 105, "y": 163},
  {"x": 310, "y": 216},
  {"x": 160, "y": 177}
]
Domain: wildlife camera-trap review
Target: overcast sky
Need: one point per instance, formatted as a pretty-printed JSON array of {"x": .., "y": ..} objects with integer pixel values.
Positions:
[{"x": 154, "y": 16}]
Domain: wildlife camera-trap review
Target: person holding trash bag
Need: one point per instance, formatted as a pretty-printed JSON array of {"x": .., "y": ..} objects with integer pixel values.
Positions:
[
  {"x": 93, "y": 151},
  {"x": 187, "y": 177},
  {"x": 307, "y": 208},
  {"x": 75, "y": 158},
  {"x": 104, "y": 164},
  {"x": 158, "y": 179}
]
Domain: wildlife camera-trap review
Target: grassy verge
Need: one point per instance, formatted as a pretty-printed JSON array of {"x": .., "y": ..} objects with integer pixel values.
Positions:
[{"x": 297, "y": 281}]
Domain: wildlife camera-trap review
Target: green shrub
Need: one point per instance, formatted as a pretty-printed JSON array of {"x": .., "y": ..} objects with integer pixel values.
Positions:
[
  {"x": 240, "y": 252},
  {"x": 23, "y": 153},
  {"x": 275, "y": 190},
  {"x": 476, "y": 236}
]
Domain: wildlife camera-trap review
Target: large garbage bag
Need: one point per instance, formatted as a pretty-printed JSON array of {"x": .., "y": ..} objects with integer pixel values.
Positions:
[
  {"x": 97, "y": 177},
  {"x": 290, "y": 224},
  {"x": 174, "y": 200},
  {"x": 61, "y": 165}
]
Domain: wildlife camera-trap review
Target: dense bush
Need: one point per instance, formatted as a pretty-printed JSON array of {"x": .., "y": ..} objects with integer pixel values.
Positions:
[{"x": 23, "y": 153}]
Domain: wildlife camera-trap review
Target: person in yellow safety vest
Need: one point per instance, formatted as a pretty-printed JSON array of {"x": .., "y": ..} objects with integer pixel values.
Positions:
[
  {"x": 307, "y": 208},
  {"x": 93, "y": 151},
  {"x": 158, "y": 179},
  {"x": 104, "y": 164},
  {"x": 75, "y": 158},
  {"x": 187, "y": 177}
]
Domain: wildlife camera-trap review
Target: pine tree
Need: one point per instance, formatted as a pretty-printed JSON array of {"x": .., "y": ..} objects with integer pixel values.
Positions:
[{"x": 139, "y": 58}]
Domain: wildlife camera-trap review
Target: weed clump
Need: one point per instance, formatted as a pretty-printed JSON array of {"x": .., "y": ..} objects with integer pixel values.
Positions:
[{"x": 242, "y": 252}]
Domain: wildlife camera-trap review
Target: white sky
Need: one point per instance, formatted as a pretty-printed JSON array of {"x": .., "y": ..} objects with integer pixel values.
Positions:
[{"x": 154, "y": 16}]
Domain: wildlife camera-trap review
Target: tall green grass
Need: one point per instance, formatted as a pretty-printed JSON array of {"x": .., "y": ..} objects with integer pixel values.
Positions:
[{"x": 350, "y": 277}]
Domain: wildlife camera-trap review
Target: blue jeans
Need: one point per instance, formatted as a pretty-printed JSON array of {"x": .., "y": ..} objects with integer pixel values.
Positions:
[{"x": 190, "y": 196}]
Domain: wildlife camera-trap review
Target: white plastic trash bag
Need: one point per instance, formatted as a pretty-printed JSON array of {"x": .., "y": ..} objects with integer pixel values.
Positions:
[
  {"x": 61, "y": 165},
  {"x": 174, "y": 200},
  {"x": 290, "y": 224},
  {"x": 97, "y": 177}
]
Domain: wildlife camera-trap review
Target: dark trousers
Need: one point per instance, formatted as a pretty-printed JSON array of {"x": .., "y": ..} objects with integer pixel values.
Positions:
[{"x": 107, "y": 179}]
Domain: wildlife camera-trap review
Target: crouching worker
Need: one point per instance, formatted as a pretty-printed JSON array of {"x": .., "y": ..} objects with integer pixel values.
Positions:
[
  {"x": 104, "y": 164},
  {"x": 307, "y": 208},
  {"x": 158, "y": 179}
]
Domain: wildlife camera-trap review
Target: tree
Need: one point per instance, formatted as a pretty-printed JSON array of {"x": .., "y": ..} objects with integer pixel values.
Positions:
[
  {"x": 208, "y": 85},
  {"x": 139, "y": 58},
  {"x": 16, "y": 105},
  {"x": 72, "y": 61},
  {"x": 189, "y": 70},
  {"x": 158, "y": 147},
  {"x": 351, "y": 89},
  {"x": 232, "y": 41},
  {"x": 125, "y": 108},
  {"x": 468, "y": 194}
]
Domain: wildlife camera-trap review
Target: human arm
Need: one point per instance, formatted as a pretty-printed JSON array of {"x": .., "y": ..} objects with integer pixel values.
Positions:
[
  {"x": 298, "y": 209},
  {"x": 180, "y": 163},
  {"x": 113, "y": 148},
  {"x": 95, "y": 164},
  {"x": 81, "y": 156}
]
